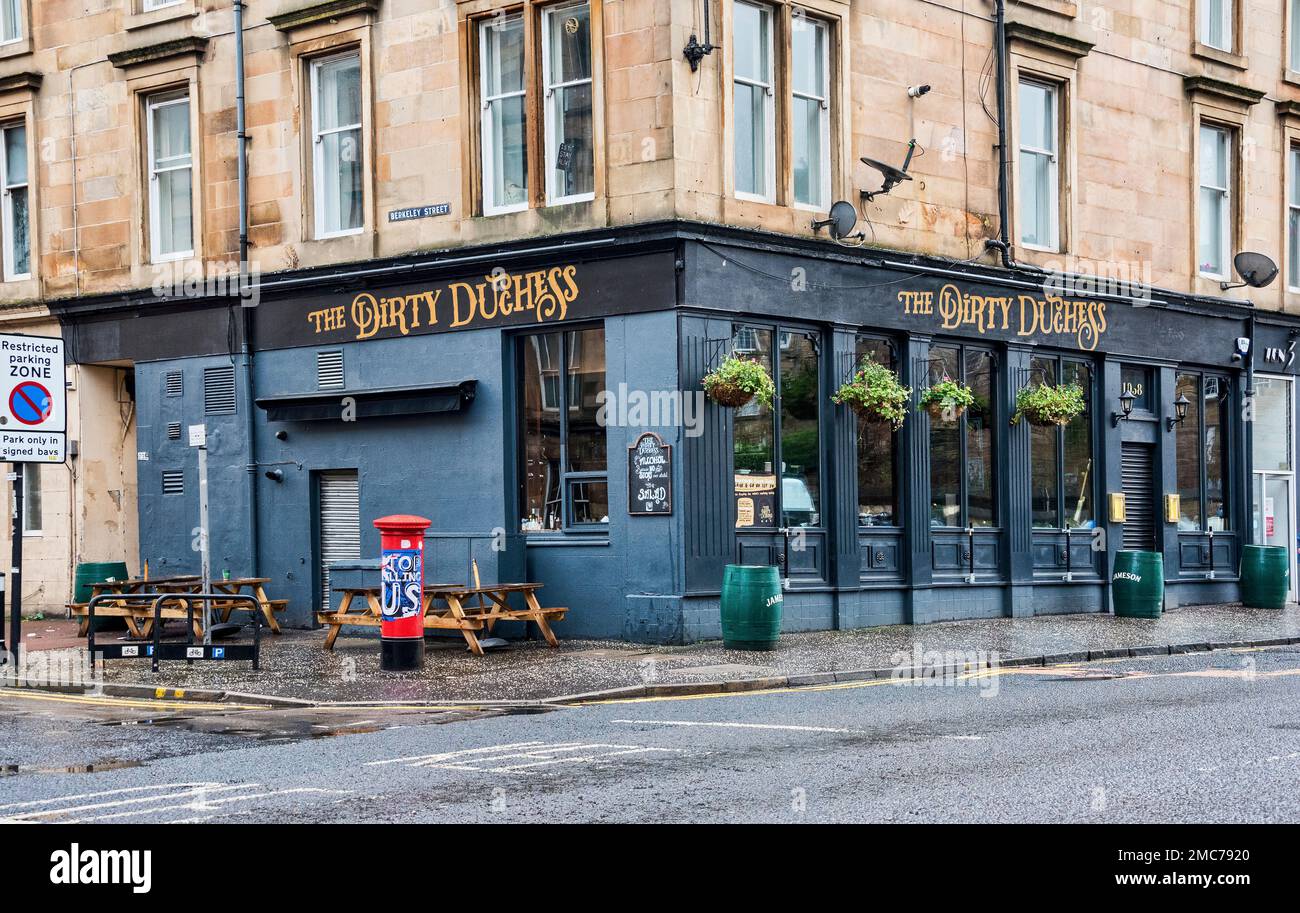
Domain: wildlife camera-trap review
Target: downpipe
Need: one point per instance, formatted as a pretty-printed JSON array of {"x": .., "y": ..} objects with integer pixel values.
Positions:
[
  {"x": 246, "y": 312},
  {"x": 1002, "y": 244}
]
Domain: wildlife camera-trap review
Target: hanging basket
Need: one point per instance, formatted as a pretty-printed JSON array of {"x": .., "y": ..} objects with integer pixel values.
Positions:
[
  {"x": 1047, "y": 406},
  {"x": 1038, "y": 420},
  {"x": 730, "y": 395},
  {"x": 937, "y": 412}
]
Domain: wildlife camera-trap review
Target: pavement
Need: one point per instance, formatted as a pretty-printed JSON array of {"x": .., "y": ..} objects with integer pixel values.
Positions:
[
  {"x": 295, "y": 667},
  {"x": 1195, "y": 737}
]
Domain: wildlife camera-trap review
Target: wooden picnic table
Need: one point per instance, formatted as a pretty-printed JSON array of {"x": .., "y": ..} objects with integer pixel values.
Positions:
[
  {"x": 257, "y": 589},
  {"x": 137, "y": 609},
  {"x": 449, "y": 606}
]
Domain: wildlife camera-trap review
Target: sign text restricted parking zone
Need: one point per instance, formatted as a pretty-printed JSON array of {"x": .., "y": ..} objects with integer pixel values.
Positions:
[{"x": 33, "y": 407}]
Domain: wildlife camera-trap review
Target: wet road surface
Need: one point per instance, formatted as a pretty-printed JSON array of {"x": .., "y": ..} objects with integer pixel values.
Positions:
[{"x": 1201, "y": 737}]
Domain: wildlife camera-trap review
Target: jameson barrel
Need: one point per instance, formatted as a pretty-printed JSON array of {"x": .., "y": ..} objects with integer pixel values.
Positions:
[
  {"x": 1138, "y": 584},
  {"x": 1265, "y": 576},
  {"x": 751, "y": 607}
]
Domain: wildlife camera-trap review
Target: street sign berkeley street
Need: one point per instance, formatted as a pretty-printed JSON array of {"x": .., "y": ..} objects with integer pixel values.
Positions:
[{"x": 33, "y": 399}]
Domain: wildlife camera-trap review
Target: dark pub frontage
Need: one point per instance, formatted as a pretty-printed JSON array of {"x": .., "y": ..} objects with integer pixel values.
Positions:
[{"x": 541, "y": 403}]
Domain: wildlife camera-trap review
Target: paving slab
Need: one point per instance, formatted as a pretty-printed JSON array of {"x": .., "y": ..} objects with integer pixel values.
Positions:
[{"x": 294, "y": 665}]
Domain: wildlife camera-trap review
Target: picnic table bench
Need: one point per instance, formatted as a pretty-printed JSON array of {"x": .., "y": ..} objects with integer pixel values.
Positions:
[
  {"x": 136, "y": 609},
  {"x": 446, "y": 606}
]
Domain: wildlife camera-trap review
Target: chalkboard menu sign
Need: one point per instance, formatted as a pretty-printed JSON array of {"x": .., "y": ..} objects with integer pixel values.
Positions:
[{"x": 649, "y": 476}]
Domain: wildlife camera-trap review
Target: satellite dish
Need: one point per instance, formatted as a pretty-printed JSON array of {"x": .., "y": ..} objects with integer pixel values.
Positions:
[
  {"x": 843, "y": 216},
  {"x": 1256, "y": 270},
  {"x": 892, "y": 175}
]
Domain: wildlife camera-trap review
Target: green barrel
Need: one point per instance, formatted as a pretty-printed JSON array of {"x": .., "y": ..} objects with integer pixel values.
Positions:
[
  {"x": 751, "y": 607},
  {"x": 1138, "y": 584},
  {"x": 92, "y": 572},
  {"x": 1265, "y": 576}
]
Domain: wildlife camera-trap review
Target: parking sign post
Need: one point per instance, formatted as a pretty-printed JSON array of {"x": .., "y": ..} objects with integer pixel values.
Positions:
[
  {"x": 33, "y": 429},
  {"x": 15, "y": 572}
]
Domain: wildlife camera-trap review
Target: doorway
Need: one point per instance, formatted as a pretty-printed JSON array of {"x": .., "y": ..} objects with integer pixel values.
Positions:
[
  {"x": 338, "y": 521},
  {"x": 1138, "y": 483},
  {"x": 1273, "y": 492}
]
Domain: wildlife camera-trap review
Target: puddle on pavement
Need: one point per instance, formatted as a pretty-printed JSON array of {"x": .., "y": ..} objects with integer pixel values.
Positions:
[
  {"x": 12, "y": 770},
  {"x": 275, "y": 726}
]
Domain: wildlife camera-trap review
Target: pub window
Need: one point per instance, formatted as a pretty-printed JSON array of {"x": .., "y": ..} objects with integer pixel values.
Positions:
[
  {"x": 777, "y": 451},
  {"x": 1040, "y": 182},
  {"x": 1137, "y": 381},
  {"x": 754, "y": 99},
  {"x": 11, "y": 21},
  {"x": 1061, "y": 458},
  {"x": 1214, "y": 237},
  {"x": 1201, "y": 446},
  {"x": 962, "y": 465},
  {"x": 171, "y": 177},
  {"x": 17, "y": 208},
  {"x": 505, "y": 145},
  {"x": 563, "y": 481},
  {"x": 562, "y": 75},
  {"x": 810, "y": 84},
  {"x": 566, "y": 87},
  {"x": 771, "y": 51},
  {"x": 877, "y": 463},
  {"x": 1215, "y": 28},
  {"x": 1293, "y": 38},
  {"x": 337, "y": 153},
  {"x": 1293, "y": 219}
]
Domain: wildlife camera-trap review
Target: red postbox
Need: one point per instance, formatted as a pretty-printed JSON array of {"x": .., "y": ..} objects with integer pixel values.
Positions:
[{"x": 401, "y": 574}]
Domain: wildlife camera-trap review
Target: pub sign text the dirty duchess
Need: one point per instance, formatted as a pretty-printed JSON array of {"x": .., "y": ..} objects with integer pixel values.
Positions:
[
  {"x": 499, "y": 297},
  {"x": 544, "y": 294},
  {"x": 1025, "y": 315}
]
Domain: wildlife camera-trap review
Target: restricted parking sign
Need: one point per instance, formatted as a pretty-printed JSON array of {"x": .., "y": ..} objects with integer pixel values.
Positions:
[{"x": 33, "y": 407}]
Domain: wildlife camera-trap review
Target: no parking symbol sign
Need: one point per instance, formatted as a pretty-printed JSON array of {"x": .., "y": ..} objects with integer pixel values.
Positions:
[{"x": 33, "y": 407}]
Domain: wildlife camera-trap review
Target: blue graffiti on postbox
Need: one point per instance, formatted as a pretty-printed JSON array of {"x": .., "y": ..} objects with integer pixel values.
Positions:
[{"x": 401, "y": 576}]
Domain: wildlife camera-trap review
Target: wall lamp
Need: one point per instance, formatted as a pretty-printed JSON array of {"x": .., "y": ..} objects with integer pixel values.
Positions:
[
  {"x": 1180, "y": 412},
  {"x": 1126, "y": 405},
  {"x": 275, "y": 475}
]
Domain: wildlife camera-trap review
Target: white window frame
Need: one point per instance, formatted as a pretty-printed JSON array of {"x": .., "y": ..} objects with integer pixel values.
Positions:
[
  {"x": 1226, "y": 14},
  {"x": 824, "y": 107},
  {"x": 8, "y": 208},
  {"x": 32, "y": 477},
  {"x": 318, "y": 148},
  {"x": 487, "y": 138},
  {"x": 1053, "y": 156},
  {"x": 1293, "y": 218},
  {"x": 148, "y": 6},
  {"x": 15, "y": 7},
  {"x": 1293, "y": 37},
  {"x": 550, "y": 96},
  {"x": 152, "y": 104},
  {"x": 1225, "y": 213},
  {"x": 769, "y": 109}
]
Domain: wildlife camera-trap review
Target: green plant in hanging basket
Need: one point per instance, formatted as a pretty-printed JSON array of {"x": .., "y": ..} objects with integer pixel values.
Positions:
[
  {"x": 1048, "y": 404},
  {"x": 876, "y": 394},
  {"x": 947, "y": 399},
  {"x": 738, "y": 380}
]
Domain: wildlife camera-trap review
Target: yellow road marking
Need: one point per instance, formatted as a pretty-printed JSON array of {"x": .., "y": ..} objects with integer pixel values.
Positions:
[
  {"x": 983, "y": 673},
  {"x": 108, "y": 701}
]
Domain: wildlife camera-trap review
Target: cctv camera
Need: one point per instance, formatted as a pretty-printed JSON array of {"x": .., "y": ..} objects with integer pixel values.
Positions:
[{"x": 917, "y": 91}]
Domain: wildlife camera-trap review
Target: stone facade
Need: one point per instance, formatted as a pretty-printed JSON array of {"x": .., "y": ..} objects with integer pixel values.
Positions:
[{"x": 663, "y": 132}]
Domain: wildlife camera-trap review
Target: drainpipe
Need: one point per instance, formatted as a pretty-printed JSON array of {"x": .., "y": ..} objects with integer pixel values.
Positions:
[
  {"x": 1002, "y": 244},
  {"x": 246, "y": 312}
]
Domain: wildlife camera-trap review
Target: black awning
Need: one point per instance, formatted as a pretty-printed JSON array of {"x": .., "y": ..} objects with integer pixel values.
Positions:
[{"x": 380, "y": 403}]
